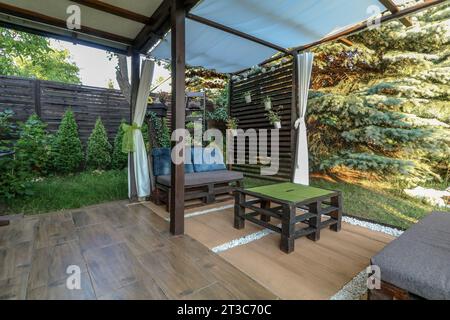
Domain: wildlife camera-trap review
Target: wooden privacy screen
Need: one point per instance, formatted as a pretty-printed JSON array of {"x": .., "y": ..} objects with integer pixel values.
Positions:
[
  {"x": 50, "y": 100},
  {"x": 277, "y": 84}
]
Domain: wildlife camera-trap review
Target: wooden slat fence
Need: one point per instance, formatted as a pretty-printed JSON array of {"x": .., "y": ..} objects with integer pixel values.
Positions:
[
  {"x": 278, "y": 85},
  {"x": 50, "y": 100}
]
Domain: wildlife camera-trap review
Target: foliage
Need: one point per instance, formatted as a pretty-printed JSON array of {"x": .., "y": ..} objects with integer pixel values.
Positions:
[
  {"x": 119, "y": 160},
  {"x": 219, "y": 114},
  {"x": 67, "y": 153},
  {"x": 162, "y": 130},
  {"x": 98, "y": 153},
  {"x": 33, "y": 148},
  {"x": 273, "y": 115},
  {"x": 382, "y": 105},
  {"x": 14, "y": 175},
  {"x": 27, "y": 55},
  {"x": 232, "y": 123}
]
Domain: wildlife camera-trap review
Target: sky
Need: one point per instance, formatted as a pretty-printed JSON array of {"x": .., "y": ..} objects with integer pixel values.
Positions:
[{"x": 95, "y": 68}]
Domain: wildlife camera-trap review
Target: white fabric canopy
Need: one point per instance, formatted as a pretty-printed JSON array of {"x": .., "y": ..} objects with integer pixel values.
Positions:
[
  {"x": 286, "y": 23},
  {"x": 301, "y": 171},
  {"x": 139, "y": 156},
  {"x": 215, "y": 49}
]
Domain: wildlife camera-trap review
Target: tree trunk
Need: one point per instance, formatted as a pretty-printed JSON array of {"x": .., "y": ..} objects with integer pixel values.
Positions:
[{"x": 122, "y": 76}]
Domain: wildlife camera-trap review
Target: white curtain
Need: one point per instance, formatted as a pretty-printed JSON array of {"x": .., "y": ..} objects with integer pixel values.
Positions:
[
  {"x": 139, "y": 156},
  {"x": 301, "y": 172}
]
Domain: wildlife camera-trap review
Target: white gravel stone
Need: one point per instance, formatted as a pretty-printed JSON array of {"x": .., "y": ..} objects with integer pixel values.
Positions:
[
  {"x": 373, "y": 226},
  {"x": 353, "y": 290}
]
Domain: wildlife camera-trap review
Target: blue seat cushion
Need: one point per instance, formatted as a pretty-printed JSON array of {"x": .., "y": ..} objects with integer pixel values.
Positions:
[
  {"x": 162, "y": 162},
  {"x": 207, "y": 159}
]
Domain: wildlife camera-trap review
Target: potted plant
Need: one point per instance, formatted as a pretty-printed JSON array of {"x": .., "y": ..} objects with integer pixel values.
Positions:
[
  {"x": 232, "y": 125},
  {"x": 267, "y": 103},
  {"x": 274, "y": 117},
  {"x": 248, "y": 97}
]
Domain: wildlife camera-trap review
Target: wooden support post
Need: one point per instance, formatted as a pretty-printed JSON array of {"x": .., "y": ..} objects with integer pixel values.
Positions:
[
  {"x": 178, "y": 16},
  {"x": 288, "y": 228},
  {"x": 337, "y": 215},
  {"x": 265, "y": 204},
  {"x": 239, "y": 210},
  {"x": 316, "y": 221},
  {"x": 135, "y": 77}
]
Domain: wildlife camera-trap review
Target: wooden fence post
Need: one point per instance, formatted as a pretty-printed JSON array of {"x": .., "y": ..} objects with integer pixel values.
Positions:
[{"x": 37, "y": 98}]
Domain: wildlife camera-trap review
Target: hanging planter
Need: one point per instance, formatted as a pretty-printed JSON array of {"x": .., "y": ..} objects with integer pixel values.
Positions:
[
  {"x": 267, "y": 103},
  {"x": 232, "y": 125},
  {"x": 274, "y": 117},
  {"x": 248, "y": 97}
]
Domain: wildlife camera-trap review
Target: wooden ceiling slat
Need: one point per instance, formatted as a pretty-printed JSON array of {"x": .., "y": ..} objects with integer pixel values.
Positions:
[
  {"x": 393, "y": 8},
  {"x": 41, "y": 18},
  {"x": 114, "y": 10}
]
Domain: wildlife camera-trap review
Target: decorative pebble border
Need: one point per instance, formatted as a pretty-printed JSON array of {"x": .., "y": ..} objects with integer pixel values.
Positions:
[
  {"x": 373, "y": 226},
  {"x": 241, "y": 241},
  {"x": 353, "y": 290}
]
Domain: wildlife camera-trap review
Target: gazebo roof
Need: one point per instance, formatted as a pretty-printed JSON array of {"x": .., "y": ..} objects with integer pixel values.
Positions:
[{"x": 225, "y": 35}]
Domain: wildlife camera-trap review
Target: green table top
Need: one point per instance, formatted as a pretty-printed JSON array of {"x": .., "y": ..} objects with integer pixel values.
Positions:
[{"x": 290, "y": 192}]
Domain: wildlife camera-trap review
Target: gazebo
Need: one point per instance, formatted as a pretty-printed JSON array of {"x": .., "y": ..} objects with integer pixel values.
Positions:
[{"x": 225, "y": 35}]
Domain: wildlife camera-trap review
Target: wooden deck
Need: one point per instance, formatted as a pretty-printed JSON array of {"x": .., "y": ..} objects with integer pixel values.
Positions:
[
  {"x": 126, "y": 252},
  {"x": 123, "y": 252},
  {"x": 316, "y": 270}
]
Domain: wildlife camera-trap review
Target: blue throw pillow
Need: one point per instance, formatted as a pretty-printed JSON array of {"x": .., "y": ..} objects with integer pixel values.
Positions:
[
  {"x": 162, "y": 162},
  {"x": 207, "y": 159}
]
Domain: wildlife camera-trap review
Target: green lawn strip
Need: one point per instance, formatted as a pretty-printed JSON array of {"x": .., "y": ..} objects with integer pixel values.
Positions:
[{"x": 68, "y": 192}]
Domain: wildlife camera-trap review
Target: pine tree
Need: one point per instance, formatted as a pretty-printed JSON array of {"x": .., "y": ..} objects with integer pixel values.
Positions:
[
  {"x": 119, "y": 159},
  {"x": 98, "y": 154},
  {"x": 383, "y": 104},
  {"x": 67, "y": 153}
]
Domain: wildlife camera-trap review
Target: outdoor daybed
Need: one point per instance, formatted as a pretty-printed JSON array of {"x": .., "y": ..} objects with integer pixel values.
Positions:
[
  {"x": 417, "y": 264},
  {"x": 204, "y": 179}
]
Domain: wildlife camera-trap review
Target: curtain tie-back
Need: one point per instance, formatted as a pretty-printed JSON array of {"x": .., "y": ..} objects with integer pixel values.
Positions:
[
  {"x": 298, "y": 122},
  {"x": 127, "y": 140}
]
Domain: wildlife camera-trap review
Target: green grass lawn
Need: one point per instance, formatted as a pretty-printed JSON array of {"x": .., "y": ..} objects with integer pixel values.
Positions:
[
  {"x": 68, "y": 192},
  {"x": 376, "y": 201}
]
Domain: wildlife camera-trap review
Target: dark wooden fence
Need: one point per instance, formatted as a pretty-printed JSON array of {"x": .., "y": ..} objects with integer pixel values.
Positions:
[
  {"x": 50, "y": 100},
  {"x": 277, "y": 85}
]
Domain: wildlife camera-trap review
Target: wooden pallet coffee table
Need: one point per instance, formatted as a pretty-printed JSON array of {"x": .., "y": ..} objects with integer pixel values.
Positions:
[{"x": 301, "y": 210}]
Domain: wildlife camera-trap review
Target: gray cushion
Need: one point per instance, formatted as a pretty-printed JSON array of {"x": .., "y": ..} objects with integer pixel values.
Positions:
[
  {"x": 419, "y": 260},
  {"x": 202, "y": 178}
]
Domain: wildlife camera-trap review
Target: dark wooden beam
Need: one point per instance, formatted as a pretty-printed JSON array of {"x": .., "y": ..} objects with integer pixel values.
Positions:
[
  {"x": 393, "y": 8},
  {"x": 135, "y": 79},
  {"x": 178, "y": 17},
  {"x": 114, "y": 10},
  {"x": 363, "y": 25},
  {"x": 51, "y": 21},
  {"x": 159, "y": 26},
  {"x": 236, "y": 32},
  {"x": 62, "y": 37}
]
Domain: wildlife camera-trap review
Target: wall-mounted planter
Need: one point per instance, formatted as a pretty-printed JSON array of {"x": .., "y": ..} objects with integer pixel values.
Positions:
[
  {"x": 267, "y": 104},
  {"x": 277, "y": 125}
]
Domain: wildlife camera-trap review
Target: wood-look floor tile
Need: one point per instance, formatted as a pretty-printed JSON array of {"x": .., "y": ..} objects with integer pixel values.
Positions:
[
  {"x": 84, "y": 218},
  {"x": 215, "y": 291},
  {"x": 49, "y": 264},
  {"x": 14, "y": 288},
  {"x": 22, "y": 230},
  {"x": 146, "y": 289},
  {"x": 145, "y": 216},
  {"x": 53, "y": 230},
  {"x": 96, "y": 236},
  {"x": 142, "y": 238},
  {"x": 60, "y": 291},
  {"x": 15, "y": 260},
  {"x": 174, "y": 271},
  {"x": 113, "y": 267}
]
